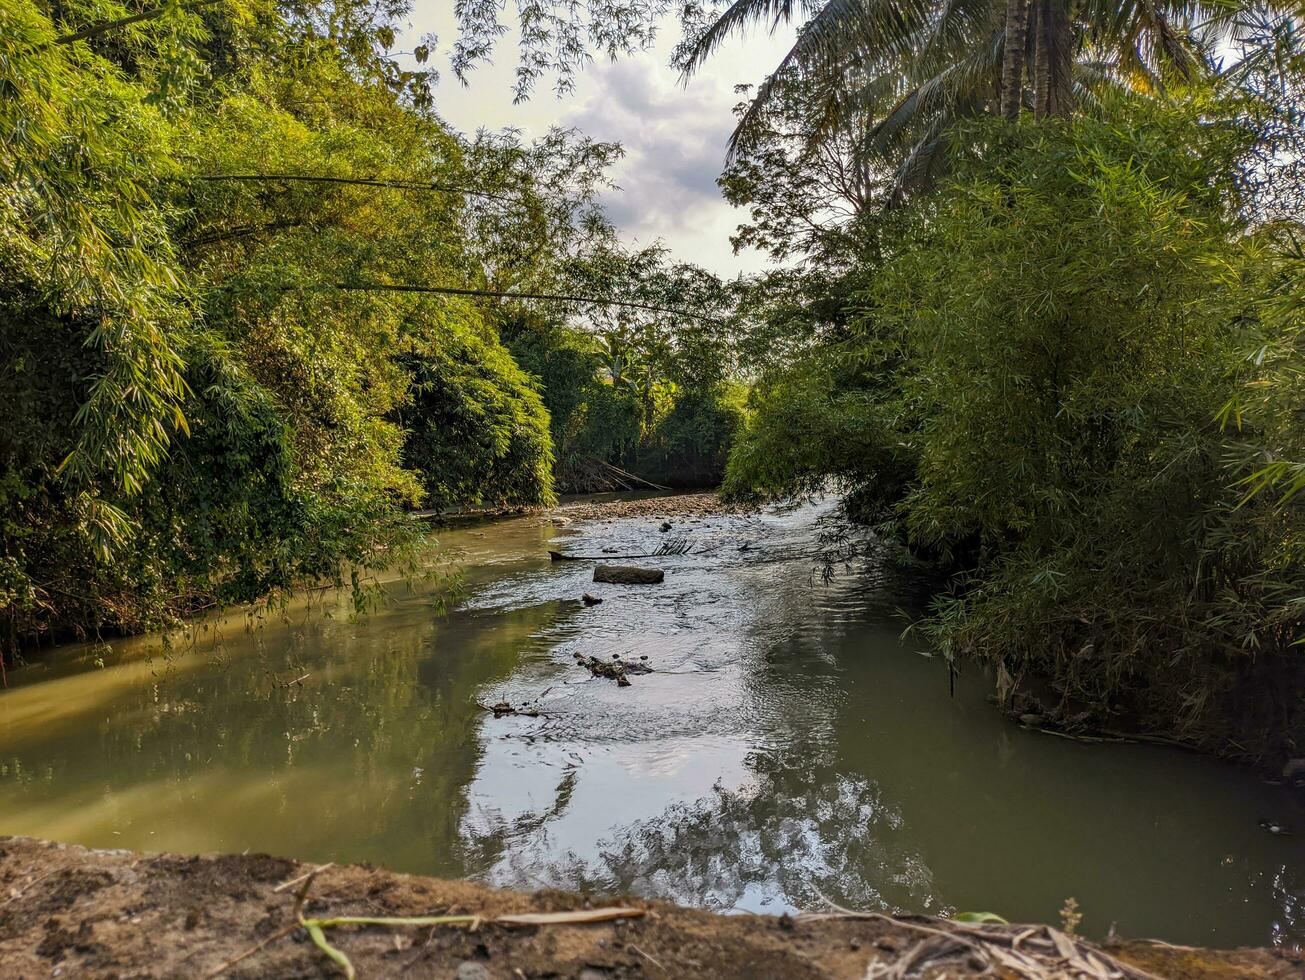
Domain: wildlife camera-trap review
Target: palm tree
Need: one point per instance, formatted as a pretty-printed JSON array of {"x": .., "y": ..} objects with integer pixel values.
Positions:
[
  {"x": 1012, "y": 64},
  {"x": 915, "y": 66}
]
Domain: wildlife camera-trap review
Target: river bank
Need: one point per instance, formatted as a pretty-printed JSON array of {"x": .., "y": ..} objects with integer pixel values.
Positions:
[
  {"x": 69, "y": 911},
  {"x": 788, "y": 745}
]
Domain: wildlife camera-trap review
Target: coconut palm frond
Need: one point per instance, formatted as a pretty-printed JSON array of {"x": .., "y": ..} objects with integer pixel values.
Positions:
[
  {"x": 969, "y": 80},
  {"x": 864, "y": 33},
  {"x": 1166, "y": 46},
  {"x": 1092, "y": 82},
  {"x": 1134, "y": 70},
  {"x": 890, "y": 75},
  {"x": 920, "y": 167},
  {"x": 959, "y": 23},
  {"x": 740, "y": 15},
  {"x": 865, "y": 103}
]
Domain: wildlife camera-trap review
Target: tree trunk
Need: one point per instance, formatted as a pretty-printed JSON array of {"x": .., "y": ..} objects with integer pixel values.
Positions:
[
  {"x": 1053, "y": 94},
  {"x": 1013, "y": 58}
]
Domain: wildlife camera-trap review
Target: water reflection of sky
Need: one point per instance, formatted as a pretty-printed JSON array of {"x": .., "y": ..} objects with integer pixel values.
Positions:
[
  {"x": 788, "y": 746},
  {"x": 791, "y": 748}
]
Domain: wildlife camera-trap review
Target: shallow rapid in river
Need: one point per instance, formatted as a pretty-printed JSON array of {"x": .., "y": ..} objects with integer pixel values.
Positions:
[{"x": 789, "y": 746}]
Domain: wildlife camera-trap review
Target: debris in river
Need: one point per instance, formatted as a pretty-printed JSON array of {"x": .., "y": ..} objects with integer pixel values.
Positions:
[
  {"x": 681, "y": 544},
  {"x": 666, "y": 526},
  {"x": 503, "y": 709},
  {"x": 1278, "y": 829},
  {"x": 617, "y": 671},
  {"x": 628, "y": 575},
  {"x": 590, "y": 600},
  {"x": 677, "y": 506}
]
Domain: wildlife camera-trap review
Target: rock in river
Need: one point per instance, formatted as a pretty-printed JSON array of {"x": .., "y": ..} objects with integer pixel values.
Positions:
[{"x": 628, "y": 575}]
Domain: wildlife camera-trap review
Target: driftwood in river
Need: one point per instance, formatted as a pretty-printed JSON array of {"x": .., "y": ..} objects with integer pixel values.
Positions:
[{"x": 675, "y": 546}]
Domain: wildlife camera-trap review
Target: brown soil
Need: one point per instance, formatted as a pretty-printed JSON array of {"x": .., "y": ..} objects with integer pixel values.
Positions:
[
  {"x": 71, "y": 912},
  {"x": 672, "y": 505}
]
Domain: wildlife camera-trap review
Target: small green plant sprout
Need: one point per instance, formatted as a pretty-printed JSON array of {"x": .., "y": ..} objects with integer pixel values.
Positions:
[{"x": 980, "y": 918}]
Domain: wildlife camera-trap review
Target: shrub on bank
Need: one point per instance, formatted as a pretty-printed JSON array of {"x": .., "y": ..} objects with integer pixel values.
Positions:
[
  {"x": 1066, "y": 324},
  {"x": 477, "y": 430},
  {"x": 690, "y": 445}
]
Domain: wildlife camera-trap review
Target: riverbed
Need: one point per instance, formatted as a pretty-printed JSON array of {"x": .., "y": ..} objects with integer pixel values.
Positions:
[{"x": 789, "y": 747}]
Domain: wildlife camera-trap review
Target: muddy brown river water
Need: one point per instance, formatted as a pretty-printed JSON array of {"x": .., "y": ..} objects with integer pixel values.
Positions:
[{"x": 789, "y": 746}]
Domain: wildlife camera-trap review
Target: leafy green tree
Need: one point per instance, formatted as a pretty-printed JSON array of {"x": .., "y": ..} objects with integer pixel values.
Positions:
[
  {"x": 806, "y": 189},
  {"x": 593, "y": 420},
  {"x": 691, "y": 443},
  {"x": 479, "y": 432},
  {"x": 544, "y": 215},
  {"x": 1069, "y": 323},
  {"x": 556, "y": 37},
  {"x": 83, "y": 153}
]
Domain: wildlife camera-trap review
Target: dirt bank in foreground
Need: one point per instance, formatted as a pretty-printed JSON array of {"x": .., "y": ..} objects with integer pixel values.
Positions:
[{"x": 71, "y": 912}]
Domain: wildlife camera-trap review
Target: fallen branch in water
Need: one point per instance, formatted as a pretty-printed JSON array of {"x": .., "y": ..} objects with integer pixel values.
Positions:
[
  {"x": 503, "y": 710},
  {"x": 679, "y": 545}
]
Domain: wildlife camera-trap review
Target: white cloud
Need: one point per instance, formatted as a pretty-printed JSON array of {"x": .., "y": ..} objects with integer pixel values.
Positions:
[{"x": 674, "y": 134}]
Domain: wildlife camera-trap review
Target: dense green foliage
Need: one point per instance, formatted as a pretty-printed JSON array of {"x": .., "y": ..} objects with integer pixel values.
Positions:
[
  {"x": 212, "y": 389},
  {"x": 479, "y": 427},
  {"x": 1042, "y": 388},
  {"x": 1055, "y": 353},
  {"x": 690, "y": 445}
]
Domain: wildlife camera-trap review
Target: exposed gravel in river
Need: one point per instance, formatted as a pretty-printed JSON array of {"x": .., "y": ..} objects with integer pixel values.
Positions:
[{"x": 674, "y": 505}]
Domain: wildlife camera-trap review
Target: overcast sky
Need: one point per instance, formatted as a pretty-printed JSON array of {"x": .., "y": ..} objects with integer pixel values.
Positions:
[{"x": 674, "y": 135}]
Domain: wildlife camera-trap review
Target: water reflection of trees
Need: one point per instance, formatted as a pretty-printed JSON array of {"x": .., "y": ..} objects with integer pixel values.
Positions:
[
  {"x": 368, "y": 758},
  {"x": 799, "y": 831},
  {"x": 801, "y": 825}
]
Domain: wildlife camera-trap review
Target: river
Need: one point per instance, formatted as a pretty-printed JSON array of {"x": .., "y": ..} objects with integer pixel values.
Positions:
[{"x": 789, "y": 746}]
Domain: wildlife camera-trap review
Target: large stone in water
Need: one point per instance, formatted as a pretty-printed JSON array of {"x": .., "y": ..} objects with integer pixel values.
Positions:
[{"x": 628, "y": 575}]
